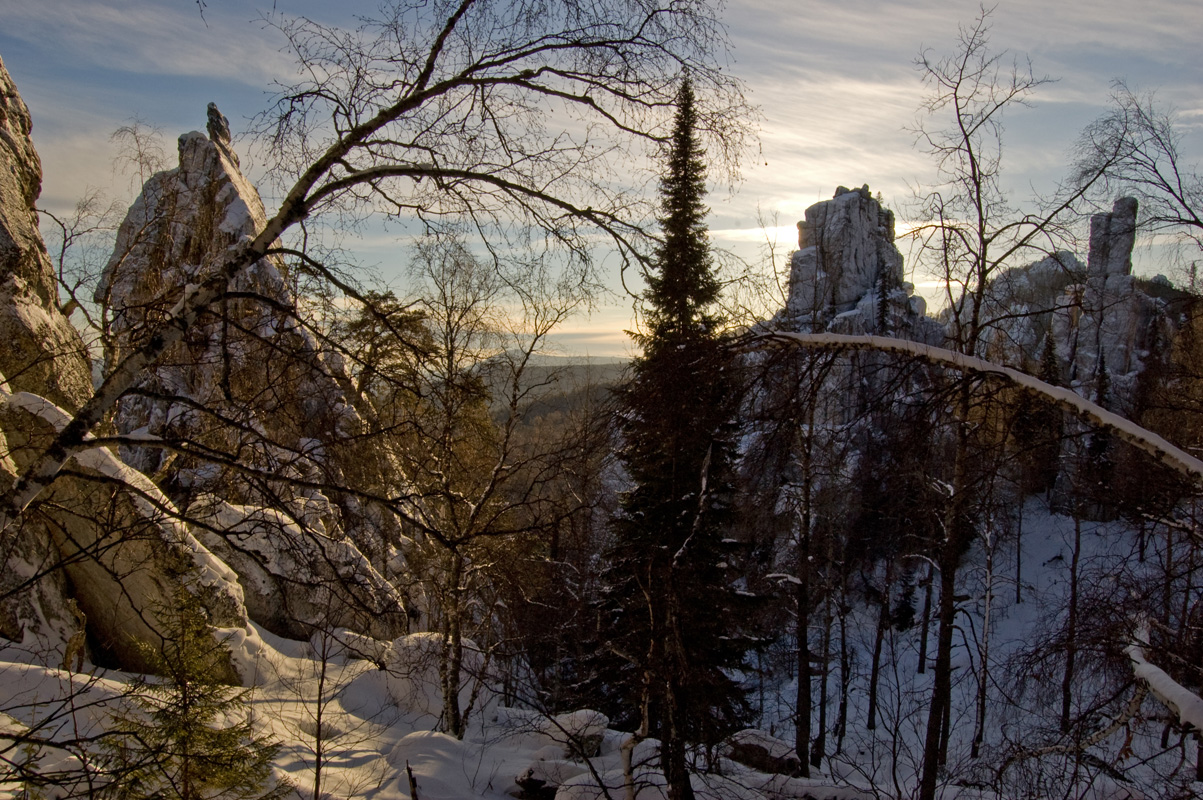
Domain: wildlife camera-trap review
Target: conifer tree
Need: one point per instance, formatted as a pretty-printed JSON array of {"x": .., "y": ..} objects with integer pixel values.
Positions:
[
  {"x": 187, "y": 736},
  {"x": 671, "y": 611}
]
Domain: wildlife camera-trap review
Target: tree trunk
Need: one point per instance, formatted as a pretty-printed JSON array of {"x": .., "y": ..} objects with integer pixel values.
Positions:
[
  {"x": 841, "y": 721},
  {"x": 818, "y": 748},
  {"x": 935, "y": 742},
  {"x": 1071, "y": 629},
  {"x": 802, "y": 715},
  {"x": 878, "y": 639},
  {"x": 925, "y": 629},
  {"x": 802, "y": 631},
  {"x": 941, "y": 684},
  {"x": 1019, "y": 558},
  {"x": 451, "y": 663},
  {"x": 673, "y": 665},
  {"x": 983, "y": 677}
]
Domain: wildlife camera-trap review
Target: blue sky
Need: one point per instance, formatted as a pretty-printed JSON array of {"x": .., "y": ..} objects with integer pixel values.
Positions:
[{"x": 835, "y": 83}]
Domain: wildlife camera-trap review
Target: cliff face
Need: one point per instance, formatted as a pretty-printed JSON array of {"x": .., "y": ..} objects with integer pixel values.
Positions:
[
  {"x": 42, "y": 352},
  {"x": 847, "y": 274},
  {"x": 91, "y": 567},
  {"x": 254, "y": 410}
]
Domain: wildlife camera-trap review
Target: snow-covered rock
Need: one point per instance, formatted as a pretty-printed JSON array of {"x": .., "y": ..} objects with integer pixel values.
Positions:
[
  {"x": 42, "y": 352},
  {"x": 650, "y": 785},
  {"x": 845, "y": 250},
  {"x": 1112, "y": 237},
  {"x": 412, "y": 666},
  {"x": 575, "y": 734},
  {"x": 846, "y": 260},
  {"x": 296, "y": 579},
  {"x": 121, "y": 544},
  {"x": 254, "y": 387},
  {"x": 103, "y": 551},
  {"x": 757, "y": 749}
]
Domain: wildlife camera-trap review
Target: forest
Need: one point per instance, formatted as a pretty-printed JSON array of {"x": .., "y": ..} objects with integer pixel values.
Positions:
[{"x": 273, "y": 529}]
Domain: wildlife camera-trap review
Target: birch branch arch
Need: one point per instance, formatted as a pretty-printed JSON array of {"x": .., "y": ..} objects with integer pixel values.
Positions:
[{"x": 1125, "y": 429}]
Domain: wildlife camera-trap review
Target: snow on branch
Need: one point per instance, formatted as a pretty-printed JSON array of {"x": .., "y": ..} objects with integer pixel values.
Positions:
[
  {"x": 1182, "y": 701},
  {"x": 1125, "y": 429}
]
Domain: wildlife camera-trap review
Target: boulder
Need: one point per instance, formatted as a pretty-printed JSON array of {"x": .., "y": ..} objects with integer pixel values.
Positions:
[
  {"x": 760, "y": 751},
  {"x": 119, "y": 542},
  {"x": 414, "y": 681},
  {"x": 296, "y": 579}
]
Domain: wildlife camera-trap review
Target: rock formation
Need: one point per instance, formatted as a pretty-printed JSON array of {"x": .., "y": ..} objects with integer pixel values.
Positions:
[
  {"x": 42, "y": 352},
  {"x": 1109, "y": 321},
  {"x": 1018, "y": 307},
  {"x": 253, "y": 410},
  {"x": 91, "y": 567},
  {"x": 1112, "y": 237},
  {"x": 846, "y": 261}
]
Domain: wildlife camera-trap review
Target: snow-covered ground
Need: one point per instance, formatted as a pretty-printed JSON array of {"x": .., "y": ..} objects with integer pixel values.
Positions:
[{"x": 368, "y": 711}]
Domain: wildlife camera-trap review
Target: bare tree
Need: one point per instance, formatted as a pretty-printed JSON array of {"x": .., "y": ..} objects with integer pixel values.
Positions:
[
  {"x": 510, "y": 119},
  {"x": 972, "y": 233},
  {"x": 478, "y": 489},
  {"x": 1137, "y": 148}
]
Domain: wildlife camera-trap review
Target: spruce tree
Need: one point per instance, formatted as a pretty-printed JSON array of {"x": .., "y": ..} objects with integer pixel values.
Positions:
[
  {"x": 671, "y": 611},
  {"x": 186, "y": 736}
]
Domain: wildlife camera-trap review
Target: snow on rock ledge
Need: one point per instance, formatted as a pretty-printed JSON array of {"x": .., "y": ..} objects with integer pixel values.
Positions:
[
  {"x": 120, "y": 542},
  {"x": 298, "y": 580}
]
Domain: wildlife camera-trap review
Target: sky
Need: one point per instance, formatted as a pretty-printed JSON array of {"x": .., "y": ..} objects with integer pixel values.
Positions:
[{"x": 835, "y": 83}]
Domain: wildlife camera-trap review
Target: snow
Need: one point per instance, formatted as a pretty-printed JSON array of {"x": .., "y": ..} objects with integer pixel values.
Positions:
[
  {"x": 371, "y": 730},
  {"x": 1187, "y": 705}
]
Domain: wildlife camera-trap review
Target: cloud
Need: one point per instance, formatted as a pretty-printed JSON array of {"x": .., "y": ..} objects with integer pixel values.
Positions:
[
  {"x": 836, "y": 84},
  {"x": 155, "y": 38}
]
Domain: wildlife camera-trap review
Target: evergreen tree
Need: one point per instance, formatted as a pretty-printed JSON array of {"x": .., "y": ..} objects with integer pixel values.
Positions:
[
  {"x": 671, "y": 611},
  {"x": 187, "y": 736}
]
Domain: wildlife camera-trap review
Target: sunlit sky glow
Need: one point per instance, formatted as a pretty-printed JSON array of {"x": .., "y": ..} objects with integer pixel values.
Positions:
[{"x": 835, "y": 84}]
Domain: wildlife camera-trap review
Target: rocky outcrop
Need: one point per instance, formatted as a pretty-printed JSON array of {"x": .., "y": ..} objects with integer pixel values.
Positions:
[
  {"x": 94, "y": 567},
  {"x": 847, "y": 275},
  {"x": 255, "y": 412},
  {"x": 845, "y": 251},
  {"x": 295, "y": 579},
  {"x": 1112, "y": 237},
  {"x": 1109, "y": 322},
  {"x": 1018, "y": 308},
  {"x": 42, "y": 352},
  {"x": 115, "y": 549}
]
